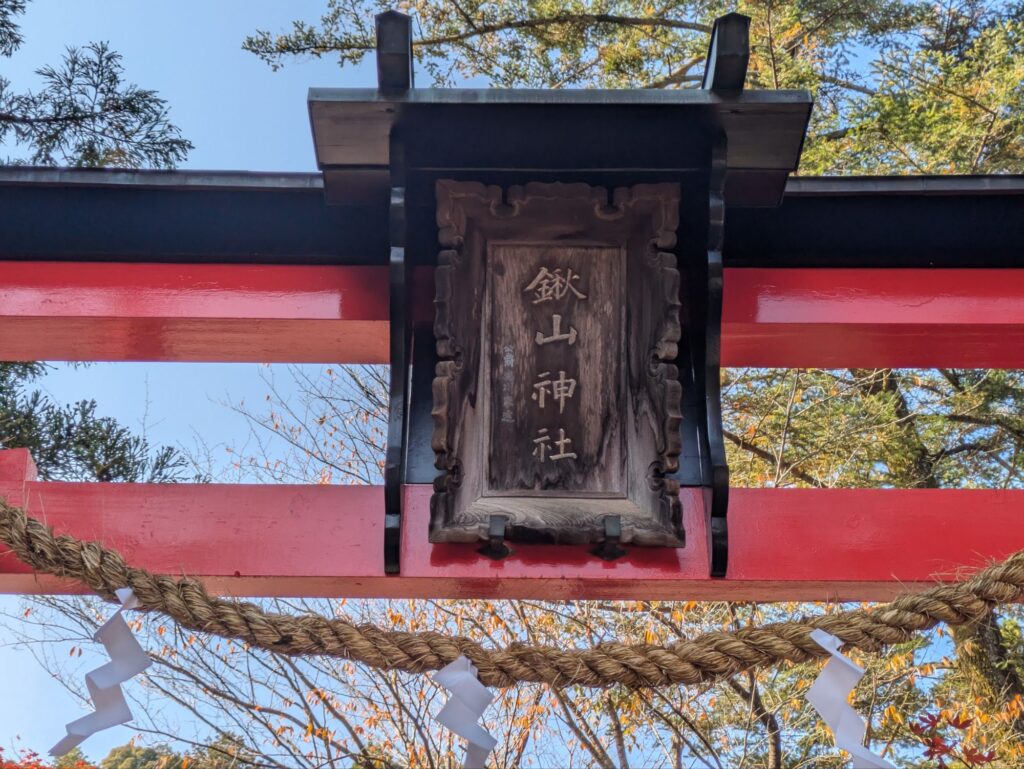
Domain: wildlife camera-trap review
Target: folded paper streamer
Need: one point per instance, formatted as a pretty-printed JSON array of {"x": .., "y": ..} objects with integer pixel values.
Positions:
[
  {"x": 127, "y": 659},
  {"x": 469, "y": 699},
  {"x": 830, "y": 697}
]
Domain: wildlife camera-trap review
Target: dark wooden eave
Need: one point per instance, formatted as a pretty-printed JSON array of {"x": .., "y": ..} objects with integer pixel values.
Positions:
[
  {"x": 202, "y": 216},
  {"x": 568, "y": 133}
]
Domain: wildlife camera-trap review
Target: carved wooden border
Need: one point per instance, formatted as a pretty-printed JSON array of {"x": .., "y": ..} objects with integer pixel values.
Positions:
[{"x": 460, "y": 204}]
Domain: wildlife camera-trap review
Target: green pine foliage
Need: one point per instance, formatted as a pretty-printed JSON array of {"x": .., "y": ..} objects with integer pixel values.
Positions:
[
  {"x": 85, "y": 114},
  {"x": 71, "y": 442}
]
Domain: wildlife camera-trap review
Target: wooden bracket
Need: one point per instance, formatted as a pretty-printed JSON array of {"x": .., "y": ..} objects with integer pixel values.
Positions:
[
  {"x": 497, "y": 530},
  {"x": 609, "y": 549}
]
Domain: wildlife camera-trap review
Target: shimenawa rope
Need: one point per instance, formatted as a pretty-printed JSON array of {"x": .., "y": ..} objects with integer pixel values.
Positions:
[{"x": 705, "y": 658}]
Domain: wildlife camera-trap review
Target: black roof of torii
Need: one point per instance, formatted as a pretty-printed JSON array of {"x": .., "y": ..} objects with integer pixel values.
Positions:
[{"x": 218, "y": 216}]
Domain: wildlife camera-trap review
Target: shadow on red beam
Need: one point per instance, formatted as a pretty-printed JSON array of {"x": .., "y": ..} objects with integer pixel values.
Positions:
[
  {"x": 785, "y": 544},
  {"x": 214, "y": 312}
]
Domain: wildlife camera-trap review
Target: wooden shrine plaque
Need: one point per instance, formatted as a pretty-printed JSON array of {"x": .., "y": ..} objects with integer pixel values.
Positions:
[{"x": 556, "y": 399}]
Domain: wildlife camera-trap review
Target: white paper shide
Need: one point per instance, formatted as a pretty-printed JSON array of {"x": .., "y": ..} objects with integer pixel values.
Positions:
[
  {"x": 127, "y": 659},
  {"x": 469, "y": 699},
  {"x": 830, "y": 697}
]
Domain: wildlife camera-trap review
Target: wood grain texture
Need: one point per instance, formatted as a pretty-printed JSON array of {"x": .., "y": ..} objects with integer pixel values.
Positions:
[
  {"x": 539, "y": 392},
  {"x": 556, "y": 472}
]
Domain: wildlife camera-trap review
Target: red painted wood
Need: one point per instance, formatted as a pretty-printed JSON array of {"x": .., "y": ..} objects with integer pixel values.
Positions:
[
  {"x": 873, "y": 318},
  {"x": 161, "y": 312},
  {"x": 771, "y": 317},
  {"x": 785, "y": 544},
  {"x": 17, "y": 465}
]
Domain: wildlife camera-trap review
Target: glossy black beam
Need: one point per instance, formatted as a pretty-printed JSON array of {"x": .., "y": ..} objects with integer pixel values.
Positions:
[
  {"x": 189, "y": 216},
  {"x": 883, "y": 223},
  {"x": 182, "y": 216}
]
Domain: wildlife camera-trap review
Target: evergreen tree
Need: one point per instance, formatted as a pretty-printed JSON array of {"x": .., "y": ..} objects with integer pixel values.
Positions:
[
  {"x": 85, "y": 114},
  {"x": 71, "y": 442},
  {"x": 133, "y": 756},
  {"x": 227, "y": 751}
]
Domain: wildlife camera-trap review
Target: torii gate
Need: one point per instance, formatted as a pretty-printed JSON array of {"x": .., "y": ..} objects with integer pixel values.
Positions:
[{"x": 179, "y": 266}]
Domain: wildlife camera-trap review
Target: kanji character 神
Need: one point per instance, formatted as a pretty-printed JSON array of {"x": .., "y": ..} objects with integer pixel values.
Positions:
[{"x": 560, "y": 389}]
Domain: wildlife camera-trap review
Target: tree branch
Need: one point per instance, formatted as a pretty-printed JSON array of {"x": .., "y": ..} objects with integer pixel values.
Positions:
[
  {"x": 620, "y": 737},
  {"x": 752, "y": 696},
  {"x": 8, "y": 117},
  {"x": 587, "y": 738},
  {"x": 767, "y": 456},
  {"x": 849, "y": 85},
  {"x": 508, "y": 25},
  {"x": 679, "y": 75}
]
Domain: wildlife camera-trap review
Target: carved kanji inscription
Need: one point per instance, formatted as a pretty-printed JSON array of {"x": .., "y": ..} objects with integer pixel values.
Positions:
[{"x": 554, "y": 324}]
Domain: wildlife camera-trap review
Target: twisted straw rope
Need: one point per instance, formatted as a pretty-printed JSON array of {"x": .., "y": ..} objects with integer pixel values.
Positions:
[{"x": 702, "y": 659}]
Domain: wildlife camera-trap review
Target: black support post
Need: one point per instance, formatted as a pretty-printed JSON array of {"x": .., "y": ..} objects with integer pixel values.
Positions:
[
  {"x": 725, "y": 71},
  {"x": 717, "y": 493},
  {"x": 394, "y": 77}
]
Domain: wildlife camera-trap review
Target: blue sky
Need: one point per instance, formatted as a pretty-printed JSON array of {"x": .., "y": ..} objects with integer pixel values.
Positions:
[
  {"x": 235, "y": 110},
  {"x": 239, "y": 115}
]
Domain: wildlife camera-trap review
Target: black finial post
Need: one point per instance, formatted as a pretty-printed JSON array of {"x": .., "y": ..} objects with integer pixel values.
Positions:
[
  {"x": 394, "y": 52},
  {"x": 728, "y": 54}
]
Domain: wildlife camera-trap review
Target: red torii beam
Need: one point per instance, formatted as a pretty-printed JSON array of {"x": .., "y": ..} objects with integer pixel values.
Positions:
[
  {"x": 327, "y": 540},
  {"x": 785, "y": 544},
  {"x": 783, "y": 317}
]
